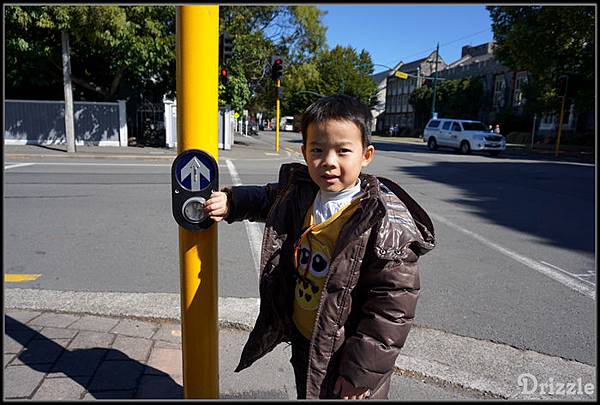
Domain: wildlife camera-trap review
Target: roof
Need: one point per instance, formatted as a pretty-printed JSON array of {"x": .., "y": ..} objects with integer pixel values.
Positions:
[{"x": 468, "y": 59}]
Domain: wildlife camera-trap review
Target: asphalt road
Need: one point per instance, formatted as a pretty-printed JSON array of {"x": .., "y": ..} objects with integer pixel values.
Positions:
[{"x": 515, "y": 259}]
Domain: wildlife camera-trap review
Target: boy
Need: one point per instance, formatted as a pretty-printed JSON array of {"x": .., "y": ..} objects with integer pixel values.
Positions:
[{"x": 338, "y": 268}]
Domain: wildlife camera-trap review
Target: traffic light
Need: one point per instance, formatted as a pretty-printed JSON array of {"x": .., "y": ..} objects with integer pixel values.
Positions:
[
  {"x": 223, "y": 75},
  {"x": 225, "y": 48},
  {"x": 562, "y": 85},
  {"x": 277, "y": 68}
]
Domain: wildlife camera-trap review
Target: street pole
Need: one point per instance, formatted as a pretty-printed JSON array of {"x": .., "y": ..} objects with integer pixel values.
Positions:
[
  {"x": 533, "y": 130},
  {"x": 197, "y": 128},
  {"x": 277, "y": 119},
  {"x": 437, "y": 54},
  {"x": 562, "y": 110},
  {"x": 68, "y": 90}
]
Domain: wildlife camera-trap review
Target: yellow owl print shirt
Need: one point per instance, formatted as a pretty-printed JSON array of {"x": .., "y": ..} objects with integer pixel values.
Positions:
[{"x": 313, "y": 253}]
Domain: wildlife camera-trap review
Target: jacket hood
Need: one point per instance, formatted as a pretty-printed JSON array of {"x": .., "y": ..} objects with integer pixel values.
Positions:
[{"x": 422, "y": 229}]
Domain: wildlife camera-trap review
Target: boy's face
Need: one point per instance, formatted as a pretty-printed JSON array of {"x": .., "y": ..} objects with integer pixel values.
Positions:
[{"x": 334, "y": 154}]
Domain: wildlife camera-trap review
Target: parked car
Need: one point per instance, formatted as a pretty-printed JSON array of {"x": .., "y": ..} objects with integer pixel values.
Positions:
[{"x": 462, "y": 135}]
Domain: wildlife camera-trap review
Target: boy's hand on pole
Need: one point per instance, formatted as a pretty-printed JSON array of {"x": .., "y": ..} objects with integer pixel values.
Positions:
[
  {"x": 346, "y": 390},
  {"x": 216, "y": 206}
]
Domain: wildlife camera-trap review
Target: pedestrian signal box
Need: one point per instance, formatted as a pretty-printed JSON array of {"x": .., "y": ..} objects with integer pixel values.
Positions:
[{"x": 194, "y": 176}]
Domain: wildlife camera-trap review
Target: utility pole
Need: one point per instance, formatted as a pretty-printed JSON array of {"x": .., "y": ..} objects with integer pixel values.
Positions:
[
  {"x": 69, "y": 122},
  {"x": 437, "y": 54},
  {"x": 278, "y": 85},
  {"x": 197, "y": 129}
]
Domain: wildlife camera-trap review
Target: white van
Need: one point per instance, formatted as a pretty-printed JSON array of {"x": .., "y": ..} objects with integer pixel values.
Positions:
[
  {"x": 463, "y": 135},
  {"x": 286, "y": 124}
]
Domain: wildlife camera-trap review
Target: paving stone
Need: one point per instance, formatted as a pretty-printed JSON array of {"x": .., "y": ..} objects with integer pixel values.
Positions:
[
  {"x": 116, "y": 375},
  {"x": 8, "y": 358},
  {"x": 125, "y": 347},
  {"x": 16, "y": 340},
  {"x": 167, "y": 345},
  {"x": 136, "y": 328},
  {"x": 79, "y": 362},
  {"x": 159, "y": 387},
  {"x": 167, "y": 361},
  {"x": 56, "y": 389},
  {"x": 169, "y": 332},
  {"x": 125, "y": 394},
  {"x": 55, "y": 333},
  {"x": 88, "y": 339},
  {"x": 41, "y": 351},
  {"x": 54, "y": 320},
  {"x": 95, "y": 323},
  {"x": 20, "y": 381},
  {"x": 22, "y": 316}
]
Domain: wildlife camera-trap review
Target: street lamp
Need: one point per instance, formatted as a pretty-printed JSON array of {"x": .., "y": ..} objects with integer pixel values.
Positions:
[{"x": 437, "y": 54}]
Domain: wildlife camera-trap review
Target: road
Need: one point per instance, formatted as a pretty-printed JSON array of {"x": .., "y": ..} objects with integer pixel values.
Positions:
[{"x": 514, "y": 263}]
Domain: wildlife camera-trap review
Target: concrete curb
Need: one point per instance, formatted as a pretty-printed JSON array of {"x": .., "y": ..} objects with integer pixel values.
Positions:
[{"x": 492, "y": 369}]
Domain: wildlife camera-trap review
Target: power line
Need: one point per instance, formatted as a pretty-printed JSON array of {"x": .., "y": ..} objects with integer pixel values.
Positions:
[{"x": 429, "y": 50}]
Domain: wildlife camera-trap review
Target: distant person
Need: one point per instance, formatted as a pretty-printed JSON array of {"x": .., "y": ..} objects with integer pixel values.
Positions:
[
  {"x": 339, "y": 277},
  {"x": 497, "y": 129},
  {"x": 491, "y": 128}
]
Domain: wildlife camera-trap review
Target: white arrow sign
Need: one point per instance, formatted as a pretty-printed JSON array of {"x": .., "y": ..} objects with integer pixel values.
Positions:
[{"x": 195, "y": 168}]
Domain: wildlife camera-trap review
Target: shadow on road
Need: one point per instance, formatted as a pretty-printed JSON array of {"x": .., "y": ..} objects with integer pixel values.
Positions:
[
  {"x": 555, "y": 203},
  {"x": 104, "y": 373}
]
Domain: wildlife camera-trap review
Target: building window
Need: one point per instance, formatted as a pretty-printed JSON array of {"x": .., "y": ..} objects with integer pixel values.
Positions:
[
  {"x": 520, "y": 80},
  {"x": 499, "y": 87}
]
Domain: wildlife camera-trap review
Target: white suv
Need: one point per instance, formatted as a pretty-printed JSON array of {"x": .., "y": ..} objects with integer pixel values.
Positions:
[{"x": 463, "y": 135}]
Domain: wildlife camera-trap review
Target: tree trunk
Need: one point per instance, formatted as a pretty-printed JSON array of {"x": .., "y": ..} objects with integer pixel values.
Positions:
[{"x": 69, "y": 119}]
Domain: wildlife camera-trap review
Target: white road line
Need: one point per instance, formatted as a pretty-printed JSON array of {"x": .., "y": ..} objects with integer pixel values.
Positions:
[
  {"x": 578, "y": 276},
  {"x": 252, "y": 229},
  {"x": 18, "y": 165},
  {"x": 548, "y": 271}
]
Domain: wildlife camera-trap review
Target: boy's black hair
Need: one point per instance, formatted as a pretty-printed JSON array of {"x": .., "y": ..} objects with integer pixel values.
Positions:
[{"x": 339, "y": 107}]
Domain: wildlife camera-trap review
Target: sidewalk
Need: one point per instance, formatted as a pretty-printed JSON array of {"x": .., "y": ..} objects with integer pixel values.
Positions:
[{"x": 70, "y": 356}]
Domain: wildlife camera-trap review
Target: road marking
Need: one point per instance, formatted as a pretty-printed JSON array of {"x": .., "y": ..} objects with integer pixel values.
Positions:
[
  {"x": 252, "y": 228},
  {"x": 578, "y": 276},
  {"x": 573, "y": 283},
  {"x": 18, "y": 165},
  {"x": 19, "y": 278}
]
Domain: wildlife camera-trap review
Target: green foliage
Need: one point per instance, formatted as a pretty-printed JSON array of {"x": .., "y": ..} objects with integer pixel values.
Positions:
[
  {"x": 454, "y": 99},
  {"x": 547, "y": 42},
  {"x": 114, "y": 49},
  {"x": 295, "y": 33}
]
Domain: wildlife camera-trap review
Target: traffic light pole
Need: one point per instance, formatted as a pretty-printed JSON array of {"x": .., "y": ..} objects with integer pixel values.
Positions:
[
  {"x": 277, "y": 119},
  {"x": 197, "y": 128}
]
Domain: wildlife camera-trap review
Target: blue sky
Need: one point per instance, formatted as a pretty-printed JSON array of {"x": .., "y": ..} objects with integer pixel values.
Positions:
[{"x": 393, "y": 33}]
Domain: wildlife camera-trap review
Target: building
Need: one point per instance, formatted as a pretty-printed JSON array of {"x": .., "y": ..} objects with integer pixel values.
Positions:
[
  {"x": 399, "y": 113},
  {"x": 380, "y": 80}
]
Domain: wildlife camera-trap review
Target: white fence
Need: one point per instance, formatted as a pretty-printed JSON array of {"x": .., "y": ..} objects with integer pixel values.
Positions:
[
  {"x": 43, "y": 123},
  {"x": 226, "y": 122}
]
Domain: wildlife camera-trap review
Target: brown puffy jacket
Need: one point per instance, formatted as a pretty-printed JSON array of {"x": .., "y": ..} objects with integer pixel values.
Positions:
[{"x": 368, "y": 302}]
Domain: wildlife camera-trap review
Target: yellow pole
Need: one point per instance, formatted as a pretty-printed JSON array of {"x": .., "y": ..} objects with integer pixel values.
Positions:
[
  {"x": 562, "y": 110},
  {"x": 197, "y": 128},
  {"x": 277, "y": 120}
]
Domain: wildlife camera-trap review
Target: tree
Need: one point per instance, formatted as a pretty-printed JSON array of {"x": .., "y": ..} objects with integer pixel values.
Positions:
[
  {"x": 455, "y": 98},
  {"x": 110, "y": 46},
  {"x": 345, "y": 71},
  {"x": 547, "y": 42},
  {"x": 294, "y": 33}
]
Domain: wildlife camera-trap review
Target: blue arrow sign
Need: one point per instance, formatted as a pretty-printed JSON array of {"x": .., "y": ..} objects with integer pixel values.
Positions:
[{"x": 195, "y": 170}]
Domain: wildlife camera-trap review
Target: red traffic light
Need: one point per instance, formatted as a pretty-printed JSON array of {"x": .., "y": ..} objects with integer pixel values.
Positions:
[
  {"x": 278, "y": 61},
  {"x": 223, "y": 75}
]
